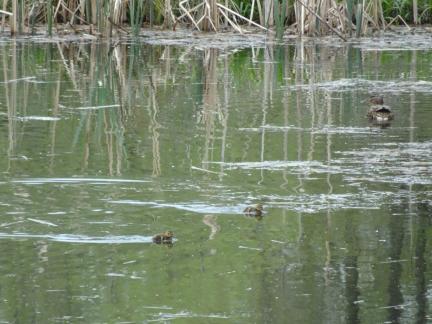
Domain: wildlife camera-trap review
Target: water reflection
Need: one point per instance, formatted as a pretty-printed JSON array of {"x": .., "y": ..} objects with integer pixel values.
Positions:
[
  {"x": 211, "y": 221},
  {"x": 109, "y": 144},
  {"x": 421, "y": 264}
]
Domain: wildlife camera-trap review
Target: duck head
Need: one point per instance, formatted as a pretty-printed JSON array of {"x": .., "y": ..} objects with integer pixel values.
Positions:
[{"x": 376, "y": 100}]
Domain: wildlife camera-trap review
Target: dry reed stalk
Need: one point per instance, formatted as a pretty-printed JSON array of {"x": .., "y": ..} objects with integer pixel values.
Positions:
[
  {"x": 394, "y": 19},
  {"x": 260, "y": 13},
  {"x": 252, "y": 10},
  {"x": 349, "y": 15},
  {"x": 315, "y": 27},
  {"x": 67, "y": 12},
  {"x": 325, "y": 7},
  {"x": 373, "y": 12},
  {"x": 169, "y": 17},
  {"x": 94, "y": 10},
  {"x": 311, "y": 21},
  {"x": 14, "y": 17},
  {"x": 188, "y": 13},
  {"x": 59, "y": 4},
  {"x": 115, "y": 20},
  {"x": 338, "y": 12},
  {"x": 21, "y": 17},
  {"x": 241, "y": 17},
  {"x": 210, "y": 19},
  {"x": 322, "y": 20},
  {"x": 297, "y": 17},
  {"x": 82, "y": 10},
  {"x": 303, "y": 19},
  {"x": 359, "y": 19},
  {"x": 73, "y": 14},
  {"x": 4, "y": 13},
  {"x": 268, "y": 13},
  {"x": 232, "y": 23}
]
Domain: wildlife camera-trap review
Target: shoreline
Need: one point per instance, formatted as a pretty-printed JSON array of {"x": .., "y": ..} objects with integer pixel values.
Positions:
[{"x": 229, "y": 38}]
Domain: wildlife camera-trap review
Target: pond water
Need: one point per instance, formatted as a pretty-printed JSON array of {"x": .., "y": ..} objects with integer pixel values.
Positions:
[{"x": 106, "y": 145}]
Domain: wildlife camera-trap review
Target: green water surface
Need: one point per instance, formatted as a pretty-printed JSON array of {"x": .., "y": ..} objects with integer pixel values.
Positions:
[{"x": 104, "y": 146}]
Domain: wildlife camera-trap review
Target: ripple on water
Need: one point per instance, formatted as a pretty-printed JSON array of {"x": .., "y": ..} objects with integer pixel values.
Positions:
[
  {"x": 327, "y": 129},
  {"x": 37, "y": 118},
  {"x": 200, "y": 208},
  {"x": 395, "y": 86},
  {"x": 296, "y": 167},
  {"x": 272, "y": 128},
  {"x": 307, "y": 203},
  {"x": 69, "y": 238},
  {"x": 408, "y": 163},
  {"x": 185, "y": 314},
  {"x": 35, "y": 181},
  {"x": 397, "y": 42}
]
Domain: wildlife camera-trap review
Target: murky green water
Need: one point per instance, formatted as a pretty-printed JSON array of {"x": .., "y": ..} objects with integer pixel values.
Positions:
[{"x": 104, "y": 147}]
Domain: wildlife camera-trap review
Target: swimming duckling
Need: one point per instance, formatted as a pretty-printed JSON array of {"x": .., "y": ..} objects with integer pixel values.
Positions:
[
  {"x": 163, "y": 238},
  {"x": 256, "y": 210}
]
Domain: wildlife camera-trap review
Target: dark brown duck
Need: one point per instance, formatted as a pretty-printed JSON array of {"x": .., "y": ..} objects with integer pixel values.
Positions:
[{"x": 378, "y": 111}]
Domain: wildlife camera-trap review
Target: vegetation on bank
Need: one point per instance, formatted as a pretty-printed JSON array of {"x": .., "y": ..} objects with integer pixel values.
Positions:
[{"x": 304, "y": 17}]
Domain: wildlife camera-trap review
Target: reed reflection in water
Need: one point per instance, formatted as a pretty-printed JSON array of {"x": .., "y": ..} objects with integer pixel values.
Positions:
[{"x": 112, "y": 143}]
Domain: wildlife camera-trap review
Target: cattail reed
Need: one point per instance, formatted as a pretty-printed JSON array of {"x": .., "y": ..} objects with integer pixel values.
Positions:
[
  {"x": 49, "y": 16},
  {"x": 306, "y": 17}
]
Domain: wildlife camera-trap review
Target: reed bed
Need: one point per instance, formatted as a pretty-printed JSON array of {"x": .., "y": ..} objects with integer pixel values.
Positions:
[{"x": 111, "y": 18}]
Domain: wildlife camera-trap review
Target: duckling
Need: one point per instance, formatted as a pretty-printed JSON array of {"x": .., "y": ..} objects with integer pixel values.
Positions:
[
  {"x": 256, "y": 210},
  {"x": 163, "y": 238}
]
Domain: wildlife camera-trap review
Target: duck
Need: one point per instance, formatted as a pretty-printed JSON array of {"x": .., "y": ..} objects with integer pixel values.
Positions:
[
  {"x": 256, "y": 210},
  {"x": 376, "y": 100},
  {"x": 163, "y": 238},
  {"x": 378, "y": 111}
]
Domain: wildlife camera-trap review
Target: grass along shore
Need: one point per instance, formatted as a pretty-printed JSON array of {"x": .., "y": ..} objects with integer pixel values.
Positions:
[{"x": 111, "y": 18}]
